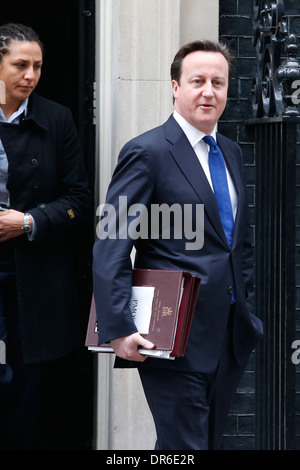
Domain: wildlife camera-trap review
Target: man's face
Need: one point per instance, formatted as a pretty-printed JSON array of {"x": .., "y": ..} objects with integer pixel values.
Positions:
[{"x": 202, "y": 93}]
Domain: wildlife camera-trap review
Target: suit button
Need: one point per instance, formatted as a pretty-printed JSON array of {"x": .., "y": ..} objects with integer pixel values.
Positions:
[
  {"x": 36, "y": 189},
  {"x": 230, "y": 290},
  {"x": 34, "y": 161}
]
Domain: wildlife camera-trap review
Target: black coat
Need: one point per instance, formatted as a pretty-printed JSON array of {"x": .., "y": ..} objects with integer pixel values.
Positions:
[{"x": 47, "y": 178}]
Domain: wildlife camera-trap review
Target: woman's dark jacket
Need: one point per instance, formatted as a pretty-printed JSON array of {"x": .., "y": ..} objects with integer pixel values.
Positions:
[{"x": 47, "y": 178}]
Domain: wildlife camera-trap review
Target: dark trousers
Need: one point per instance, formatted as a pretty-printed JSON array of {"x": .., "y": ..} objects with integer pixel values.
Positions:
[
  {"x": 190, "y": 409},
  {"x": 19, "y": 383}
]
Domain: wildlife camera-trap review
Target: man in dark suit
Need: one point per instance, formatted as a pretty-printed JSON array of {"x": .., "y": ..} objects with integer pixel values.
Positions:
[{"x": 189, "y": 397}]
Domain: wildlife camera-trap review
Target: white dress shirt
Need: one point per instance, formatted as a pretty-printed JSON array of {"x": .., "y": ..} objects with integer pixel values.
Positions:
[{"x": 201, "y": 149}]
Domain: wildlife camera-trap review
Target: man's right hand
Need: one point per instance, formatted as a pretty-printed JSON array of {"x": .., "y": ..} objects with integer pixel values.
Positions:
[{"x": 127, "y": 347}]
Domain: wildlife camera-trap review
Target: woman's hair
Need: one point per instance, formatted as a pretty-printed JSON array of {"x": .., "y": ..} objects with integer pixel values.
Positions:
[
  {"x": 201, "y": 45},
  {"x": 16, "y": 32}
]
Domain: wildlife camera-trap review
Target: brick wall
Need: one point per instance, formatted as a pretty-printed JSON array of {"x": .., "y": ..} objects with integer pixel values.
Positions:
[
  {"x": 297, "y": 312},
  {"x": 236, "y": 29},
  {"x": 292, "y": 11}
]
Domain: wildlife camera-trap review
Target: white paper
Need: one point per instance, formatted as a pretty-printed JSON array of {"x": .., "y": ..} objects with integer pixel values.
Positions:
[
  {"x": 158, "y": 353},
  {"x": 141, "y": 307}
]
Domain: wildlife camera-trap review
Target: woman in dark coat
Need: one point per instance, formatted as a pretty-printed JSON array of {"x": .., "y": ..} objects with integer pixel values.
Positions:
[{"x": 44, "y": 197}]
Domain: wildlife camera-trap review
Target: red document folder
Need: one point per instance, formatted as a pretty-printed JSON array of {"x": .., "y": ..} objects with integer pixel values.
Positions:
[{"x": 172, "y": 310}]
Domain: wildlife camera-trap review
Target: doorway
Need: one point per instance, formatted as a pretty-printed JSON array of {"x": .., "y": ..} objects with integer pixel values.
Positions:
[{"x": 67, "y": 30}]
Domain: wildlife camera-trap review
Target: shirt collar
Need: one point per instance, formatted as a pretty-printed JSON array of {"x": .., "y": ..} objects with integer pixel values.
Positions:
[
  {"x": 15, "y": 117},
  {"x": 36, "y": 113},
  {"x": 193, "y": 134}
]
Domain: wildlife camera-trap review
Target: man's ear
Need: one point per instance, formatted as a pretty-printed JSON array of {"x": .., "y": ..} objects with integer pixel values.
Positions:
[{"x": 175, "y": 86}]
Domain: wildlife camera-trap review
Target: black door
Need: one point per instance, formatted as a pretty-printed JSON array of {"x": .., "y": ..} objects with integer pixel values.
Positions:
[{"x": 67, "y": 30}]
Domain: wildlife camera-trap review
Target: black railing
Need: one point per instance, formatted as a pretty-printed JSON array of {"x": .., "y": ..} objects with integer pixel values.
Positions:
[{"x": 276, "y": 117}]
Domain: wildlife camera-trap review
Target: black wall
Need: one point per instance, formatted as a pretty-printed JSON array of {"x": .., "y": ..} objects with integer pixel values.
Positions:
[{"x": 236, "y": 29}]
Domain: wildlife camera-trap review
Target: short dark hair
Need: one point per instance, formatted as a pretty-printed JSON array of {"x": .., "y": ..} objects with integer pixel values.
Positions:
[
  {"x": 16, "y": 32},
  {"x": 201, "y": 45}
]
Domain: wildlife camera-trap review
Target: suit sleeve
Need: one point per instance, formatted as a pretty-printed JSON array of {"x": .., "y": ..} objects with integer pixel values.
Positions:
[{"x": 129, "y": 192}]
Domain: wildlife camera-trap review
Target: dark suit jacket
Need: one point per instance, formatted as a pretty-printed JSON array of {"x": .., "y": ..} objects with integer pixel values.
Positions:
[
  {"x": 47, "y": 178},
  {"x": 160, "y": 167}
]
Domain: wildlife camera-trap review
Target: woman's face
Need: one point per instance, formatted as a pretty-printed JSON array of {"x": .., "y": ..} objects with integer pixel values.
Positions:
[{"x": 20, "y": 70}]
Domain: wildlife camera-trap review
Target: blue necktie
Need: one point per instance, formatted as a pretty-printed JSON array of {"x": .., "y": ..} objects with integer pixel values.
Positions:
[{"x": 220, "y": 185}]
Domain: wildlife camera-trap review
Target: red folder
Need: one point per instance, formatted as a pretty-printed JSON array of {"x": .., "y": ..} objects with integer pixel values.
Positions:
[{"x": 173, "y": 306}]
